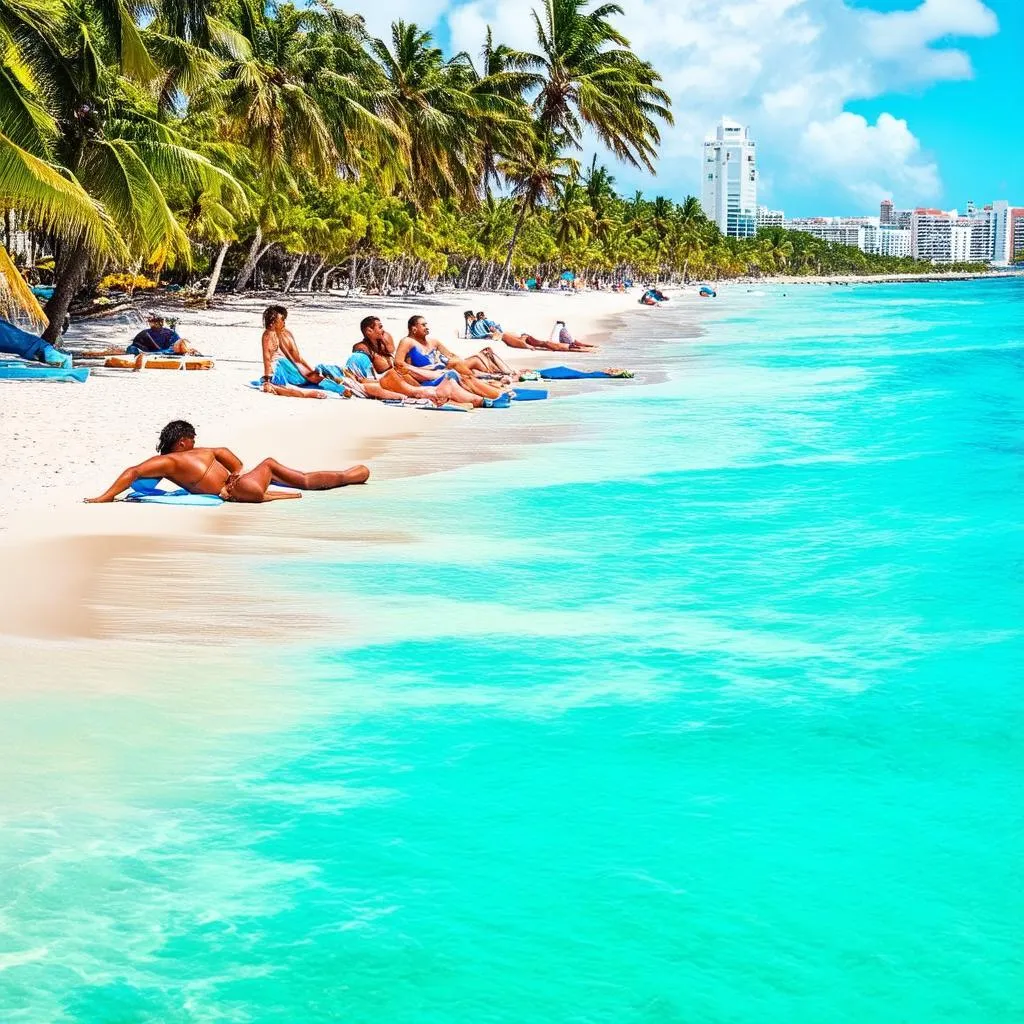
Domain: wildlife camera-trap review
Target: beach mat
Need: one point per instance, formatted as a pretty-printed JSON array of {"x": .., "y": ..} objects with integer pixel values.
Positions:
[
  {"x": 257, "y": 385},
  {"x": 430, "y": 407},
  {"x": 568, "y": 373},
  {"x": 36, "y": 371},
  {"x": 529, "y": 394},
  {"x": 178, "y": 497}
]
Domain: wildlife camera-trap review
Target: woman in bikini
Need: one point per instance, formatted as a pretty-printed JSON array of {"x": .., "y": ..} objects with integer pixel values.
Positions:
[{"x": 219, "y": 471}]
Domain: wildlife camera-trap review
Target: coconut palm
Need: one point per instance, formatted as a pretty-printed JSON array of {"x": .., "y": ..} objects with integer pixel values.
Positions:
[
  {"x": 535, "y": 176},
  {"x": 432, "y": 101},
  {"x": 97, "y": 124},
  {"x": 586, "y": 75},
  {"x": 501, "y": 118}
]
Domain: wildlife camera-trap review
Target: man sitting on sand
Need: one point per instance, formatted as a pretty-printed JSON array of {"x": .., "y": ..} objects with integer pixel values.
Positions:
[
  {"x": 159, "y": 338},
  {"x": 219, "y": 471},
  {"x": 285, "y": 372}
]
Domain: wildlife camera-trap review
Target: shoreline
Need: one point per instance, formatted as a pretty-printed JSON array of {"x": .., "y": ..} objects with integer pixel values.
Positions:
[
  {"x": 840, "y": 279},
  {"x": 76, "y": 572}
]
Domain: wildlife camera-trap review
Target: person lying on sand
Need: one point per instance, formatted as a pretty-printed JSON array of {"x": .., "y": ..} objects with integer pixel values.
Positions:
[
  {"x": 429, "y": 362},
  {"x": 568, "y": 341},
  {"x": 484, "y": 328},
  {"x": 219, "y": 471}
]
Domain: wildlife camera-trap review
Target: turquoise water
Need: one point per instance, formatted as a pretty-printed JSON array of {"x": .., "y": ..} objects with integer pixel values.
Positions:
[{"x": 709, "y": 712}]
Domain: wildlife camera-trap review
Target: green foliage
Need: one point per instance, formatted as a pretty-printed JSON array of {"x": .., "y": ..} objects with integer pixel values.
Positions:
[{"x": 143, "y": 136}]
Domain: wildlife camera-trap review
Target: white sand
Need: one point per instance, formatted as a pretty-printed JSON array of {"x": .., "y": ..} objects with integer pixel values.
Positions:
[{"x": 60, "y": 443}]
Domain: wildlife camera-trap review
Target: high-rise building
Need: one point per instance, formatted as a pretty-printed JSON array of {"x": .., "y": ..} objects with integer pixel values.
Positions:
[
  {"x": 940, "y": 236},
  {"x": 995, "y": 235},
  {"x": 1002, "y": 241},
  {"x": 770, "y": 218},
  {"x": 885, "y": 212},
  {"x": 729, "y": 180},
  {"x": 1017, "y": 231},
  {"x": 893, "y": 241}
]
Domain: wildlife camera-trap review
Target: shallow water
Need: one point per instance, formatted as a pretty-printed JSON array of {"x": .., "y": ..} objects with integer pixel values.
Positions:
[{"x": 709, "y": 711}]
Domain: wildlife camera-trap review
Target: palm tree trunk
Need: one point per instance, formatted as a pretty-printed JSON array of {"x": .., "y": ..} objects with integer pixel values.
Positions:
[
  {"x": 68, "y": 275},
  {"x": 218, "y": 265},
  {"x": 292, "y": 272},
  {"x": 245, "y": 274},
  {"x": 352, "y": 267},
  {"x": 315, "y": 274},
  {"x": 512, "y": 245}
]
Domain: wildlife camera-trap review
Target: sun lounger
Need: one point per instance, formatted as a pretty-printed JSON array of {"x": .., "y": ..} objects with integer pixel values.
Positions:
[
  {"x": 158, "y": 361},
  {"x": 568, "y": 373},
  {"x": 15, "y": 370}
]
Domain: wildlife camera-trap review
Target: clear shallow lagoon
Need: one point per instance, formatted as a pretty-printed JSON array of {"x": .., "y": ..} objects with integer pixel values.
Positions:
[{"x": 710, "y": 712}]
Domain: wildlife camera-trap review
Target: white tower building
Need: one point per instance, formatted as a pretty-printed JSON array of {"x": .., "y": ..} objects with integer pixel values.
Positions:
[{"x": 729, "y": 182}]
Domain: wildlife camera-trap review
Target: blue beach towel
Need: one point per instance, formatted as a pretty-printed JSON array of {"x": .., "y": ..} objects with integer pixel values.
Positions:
[
  {"x": 12, "y": 370},
  {"x": 529, "y": 394},
  {"x": 568, "y": 373},
  {"x": 175, "y": 497}
]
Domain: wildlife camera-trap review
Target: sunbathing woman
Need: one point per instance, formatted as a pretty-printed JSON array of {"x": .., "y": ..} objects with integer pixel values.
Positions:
[
  {"x": 219, "y": 471},
  {"x": 421, "y": 357}
]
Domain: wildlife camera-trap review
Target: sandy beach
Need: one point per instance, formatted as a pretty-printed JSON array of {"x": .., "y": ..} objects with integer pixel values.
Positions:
[{"x": 60, "y": 443}]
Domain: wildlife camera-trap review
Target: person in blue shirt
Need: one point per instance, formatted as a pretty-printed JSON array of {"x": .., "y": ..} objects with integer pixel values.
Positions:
[{"x": 159, "y": 338}]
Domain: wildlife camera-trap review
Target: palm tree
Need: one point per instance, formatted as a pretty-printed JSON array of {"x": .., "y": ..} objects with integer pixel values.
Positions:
[
  {"x": 586, "y": 75},
  {"x": 431, "y": 100},
  {"x": 501, "y": 117},
  {"x": 571, "y": 216},
  {"x": 98, "y": 128},
  {"x": 535, "y": 175}
]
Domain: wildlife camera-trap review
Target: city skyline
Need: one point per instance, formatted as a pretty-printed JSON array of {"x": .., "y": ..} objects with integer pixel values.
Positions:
[{"x": 848, "y": 100}]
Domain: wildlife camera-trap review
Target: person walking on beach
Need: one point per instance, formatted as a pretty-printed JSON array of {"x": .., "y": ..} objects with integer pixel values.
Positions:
[{"x": 219, "y": 471}]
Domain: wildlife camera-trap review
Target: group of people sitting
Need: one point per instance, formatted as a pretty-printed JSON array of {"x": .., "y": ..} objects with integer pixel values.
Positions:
[{"x": 419, "y": 369}]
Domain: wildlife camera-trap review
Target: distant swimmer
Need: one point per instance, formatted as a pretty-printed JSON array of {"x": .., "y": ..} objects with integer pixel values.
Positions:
[{"x": 219, "y": 471}]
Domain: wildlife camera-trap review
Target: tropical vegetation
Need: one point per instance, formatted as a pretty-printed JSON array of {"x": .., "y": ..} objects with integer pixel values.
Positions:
[{"x": 233, "y": 144}]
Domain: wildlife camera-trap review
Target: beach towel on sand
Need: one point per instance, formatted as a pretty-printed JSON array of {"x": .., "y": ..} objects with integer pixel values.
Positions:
[
  {"x": 11, "y": 369},
  {"x": 568, "y": 373},
  {"x": 150, "y": 491}
]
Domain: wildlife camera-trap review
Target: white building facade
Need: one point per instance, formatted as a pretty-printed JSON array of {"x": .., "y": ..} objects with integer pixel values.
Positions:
[
  {"x": 770, "y": 218},
  {"x": 729, "y": 180},
  {"x": 893, "y": 241},
  {"x": 859, "y": 232},
  {"x": 940, "y": 236}
]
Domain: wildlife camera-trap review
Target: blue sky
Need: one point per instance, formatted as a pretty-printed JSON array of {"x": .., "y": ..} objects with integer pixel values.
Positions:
[{"x": 849, "y": 100}]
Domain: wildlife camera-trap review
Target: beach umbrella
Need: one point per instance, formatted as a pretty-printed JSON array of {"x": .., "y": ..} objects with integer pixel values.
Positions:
[{"x": 568, "y": 275}]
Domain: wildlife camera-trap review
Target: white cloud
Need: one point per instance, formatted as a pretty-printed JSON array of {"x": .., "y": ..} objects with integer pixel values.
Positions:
[
  {"x": 788, "y": 68},
  {"x": 871, "y": 160}
]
